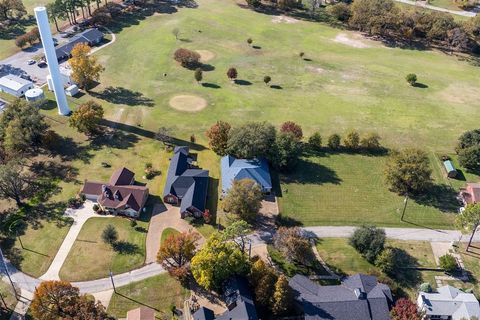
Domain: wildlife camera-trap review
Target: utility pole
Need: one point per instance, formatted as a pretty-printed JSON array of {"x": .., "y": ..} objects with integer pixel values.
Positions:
[
  {"x": 113, "y": 283},
  {"x": 404, "y": 206},
  {"x": 8, "y": 274}
]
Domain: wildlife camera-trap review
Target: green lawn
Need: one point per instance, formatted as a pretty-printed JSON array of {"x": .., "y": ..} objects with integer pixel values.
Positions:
[
  {"x": 168, "y": 232},
  {"x": 341, "y": 87},
  {"x": 157, "y": 292},
  {"x": 40, "y": 245},
  {"x": 95, "y": 258},
  {"x": 8, "y": 296},
  {"x": 349, "y": 189},
  {"x": 343, "y": 259}
]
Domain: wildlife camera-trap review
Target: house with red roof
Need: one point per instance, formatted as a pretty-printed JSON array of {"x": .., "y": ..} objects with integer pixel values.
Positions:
[{"x": 470, "y": 194}]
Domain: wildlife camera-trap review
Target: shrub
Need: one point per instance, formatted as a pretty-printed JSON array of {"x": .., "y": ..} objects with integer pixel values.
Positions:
[
  {"x": 340, "y": 11},
  {"x": 95, "y": 207},
  {"x": 315, "y": 140},
  {"x": 249, "y": 41},
  {"x": 232, "y": 74},
  {"x": 110, "y": 235},
  {"x": 83, "y": 197},
  {"x": 193, "y": 139},
  {"x": 254, "y": 3},
  {"x": 369, "y": 241},
  {"x": 370, "y": 142},
  {"x": 293, "y": 128},
  {"x": 21, "y": 41},
  {"x": 426, "y": 287},
  {"x": 352, "y": 140},
  {"x": 133, "y": 223},
  {"x": 187, "y": 58},
  {"x": 448, "y": 263},
  {"x": 411, "y": 78},
  {"x": 301, "y": 55},
  {"x": 267, "y": 79},
  {"x": 386, "y": 261},
  {"x": 334, "y": 141}
]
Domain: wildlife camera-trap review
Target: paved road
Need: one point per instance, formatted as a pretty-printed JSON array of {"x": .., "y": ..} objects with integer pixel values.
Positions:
[{"x": 425, "y": 5}]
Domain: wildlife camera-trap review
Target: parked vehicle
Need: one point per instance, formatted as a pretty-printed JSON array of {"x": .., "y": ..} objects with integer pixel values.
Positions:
[{"x": 31, "y": 61}]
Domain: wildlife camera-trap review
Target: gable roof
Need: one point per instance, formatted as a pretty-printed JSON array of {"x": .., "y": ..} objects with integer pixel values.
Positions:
[
  {"x": 203, "y": 313},
  {"x": 473, "y": 190},
  {"x": 450, "y": 301},
  {"x": 87, "y": 36},
  {"x": 91, "y": 35},
  {"x": 238, "y": 169},
  {"x": 142, "y": 313},
  {"x": 122, "y": 177},
  {"x": 14, "y": 82},
  {"x": 238, "y": 297},
  {"x": 359, "y": 297},
  {"x": 189, "y": 185},
  {"x": 118, "y": 192}
]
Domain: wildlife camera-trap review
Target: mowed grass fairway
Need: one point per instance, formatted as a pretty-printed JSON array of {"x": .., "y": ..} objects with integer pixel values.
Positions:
[
  {"x": 340, "y": 87},
  {"x": 91, "y": 258},
  {"x": 157, "y": 292}
]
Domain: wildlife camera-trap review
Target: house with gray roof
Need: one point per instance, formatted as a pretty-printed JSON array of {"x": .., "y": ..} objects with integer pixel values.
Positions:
[
  {"x": 448, "y": 303},
  {"x": 186, "y": 185},
  {"x": 239, "y": 301},
  {"x": 238, "y": 169},
  {"x": 90, "y": 36},
  {"x": 358, "y": 297}
]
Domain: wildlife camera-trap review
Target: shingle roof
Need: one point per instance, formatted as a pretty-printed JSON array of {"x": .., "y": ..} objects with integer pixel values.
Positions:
[
  {"x": 87, "y": 36},
  {"x": 203, "y": 314},
  {"x": 237, "y": 294},
  {"x": 359, "y": 297},
  {"x": 238, "y": 169},
  {"x": 121, "y": 177},
  {"x": 91, "y": 35},
  {"x": 450, "y": 301},
  {"x": 189, "y": 185},
  {"x": 142, "y": 313}
]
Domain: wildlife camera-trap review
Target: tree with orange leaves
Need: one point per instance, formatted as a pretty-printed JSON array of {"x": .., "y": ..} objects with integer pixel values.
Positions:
[{"x": 85, "y": 68}]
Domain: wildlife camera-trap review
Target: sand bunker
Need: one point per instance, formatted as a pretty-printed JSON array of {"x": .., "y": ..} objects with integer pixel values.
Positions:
[
  {"x": 349, "y": 40},
  {"x": 205, "y": 55},
  {"x": 284, "y": 19},
  {"x": 188, "y": 103}
]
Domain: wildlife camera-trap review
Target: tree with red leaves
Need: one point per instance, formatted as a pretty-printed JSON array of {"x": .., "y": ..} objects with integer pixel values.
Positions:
[
  {"x": 292, "y": 127},
  {"x": 218, "y": 137},
  {"x": 176, "y": 252},
  {"x": 405, "y": 309}
]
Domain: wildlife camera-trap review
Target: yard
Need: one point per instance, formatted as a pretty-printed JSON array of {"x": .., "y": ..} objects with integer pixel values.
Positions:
[
  {"x": 158, "y": 292},
  {"x": 91, "y": 258},
  {"x": 344, "y": 259},
  {"x": 40, "y": 245}
]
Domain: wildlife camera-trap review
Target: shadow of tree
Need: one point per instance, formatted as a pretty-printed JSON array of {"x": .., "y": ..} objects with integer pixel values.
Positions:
[
  {"x": 211, "y": 85},
  {"x": 407, "y": 275},
  {"x": 54, "y": 170},
  {"x": 120, "y": 95},
  {"x": 125, "y": 247},
  {"x": 440, "y": 196},
  {"x": 117, "y": 139},
  {"x": 312, "y": 173}
]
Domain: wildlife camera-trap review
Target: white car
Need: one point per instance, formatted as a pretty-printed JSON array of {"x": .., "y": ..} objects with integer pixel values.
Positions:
[{"x": 30, "y": 61}]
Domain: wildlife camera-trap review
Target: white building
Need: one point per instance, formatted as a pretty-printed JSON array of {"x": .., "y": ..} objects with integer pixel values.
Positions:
[
  {"x": 448, "y": 303},
  {"x": 14, "y": 85}
]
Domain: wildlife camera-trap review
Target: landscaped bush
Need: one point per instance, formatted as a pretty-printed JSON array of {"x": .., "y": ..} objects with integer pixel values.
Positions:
[
  {"x": 352, "y": 140},
  {"x": 334, "y": 141},
  {"x": 411, "y": 78},
  {"x": 293, "y": 128},
  {"x": 425, "y": 287},
  {"x": 340, "y": 11},
  {"x": 386, "y": 261},
  {"x": 187, "y": 58},
  {"x": 448, "y": 263},
  {"x": 371, "y": 142},
  {"x": 369, "y": 241},
  {"x": 315, "y": 140},
  {"x": 96, "y": 207},
  {"x": 232, "y": 74},
  {"x": 267, "y": 79}
]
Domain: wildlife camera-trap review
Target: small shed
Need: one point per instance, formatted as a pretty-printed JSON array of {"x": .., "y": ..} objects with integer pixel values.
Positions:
[
  {"x": 15, "y": 85},
  {"x": 451, "y": 171},
  {"x": 72, "y": 90}
]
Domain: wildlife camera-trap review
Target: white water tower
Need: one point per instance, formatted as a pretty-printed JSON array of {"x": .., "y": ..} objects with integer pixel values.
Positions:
[{"x": 49, "y": 48}]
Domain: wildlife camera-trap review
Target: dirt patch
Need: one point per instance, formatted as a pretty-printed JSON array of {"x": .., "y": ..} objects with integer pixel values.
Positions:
[
  {"x": 313, "y": 69},
  {"x": 284, "y": 19},
  {"x": 205, "y": 55},
  {"x": 355, "y": 41},
  {"x": 188, "y": 103}
]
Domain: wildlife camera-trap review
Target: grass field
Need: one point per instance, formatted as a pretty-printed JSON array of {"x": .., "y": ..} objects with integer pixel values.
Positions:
[
  {"x": 339, "y": 189},
  {"x": 95, "y": 258},
  {"x": 9, "y": 297},
  {"x": 158, "y": 292},
  {"x": 344, "y": 259},
  {"x": 40, "y": 245},
  {"x": 168, "y": 232}
]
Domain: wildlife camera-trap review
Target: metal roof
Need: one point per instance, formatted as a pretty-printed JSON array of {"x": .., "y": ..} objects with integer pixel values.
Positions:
[
  {"x": 238, "y": 169},
  {"x": 14, "y": 82}
]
